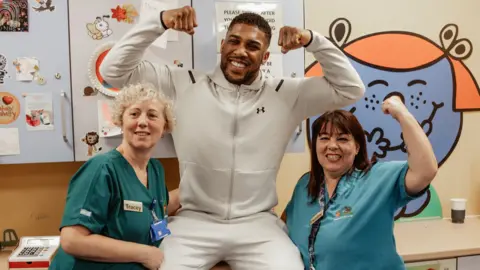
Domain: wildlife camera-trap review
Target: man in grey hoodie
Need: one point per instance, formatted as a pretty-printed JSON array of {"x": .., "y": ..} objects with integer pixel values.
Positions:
[{"x": 233, "y": 126}]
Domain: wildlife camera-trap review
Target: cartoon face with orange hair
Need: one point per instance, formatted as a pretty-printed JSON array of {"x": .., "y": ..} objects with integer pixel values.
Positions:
[{"x": 431, "y": 80}]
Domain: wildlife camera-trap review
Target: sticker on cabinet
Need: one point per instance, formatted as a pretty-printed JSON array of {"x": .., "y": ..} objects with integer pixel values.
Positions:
[
  {"x": 99, "y": 28},
  {"x": 3, "y": 68},
  {"x": 92, "y": 139},
  {"x": 9, "y": 108},
  {"x": 126, "y": 13},
  {"x": 44, "y": 5}
]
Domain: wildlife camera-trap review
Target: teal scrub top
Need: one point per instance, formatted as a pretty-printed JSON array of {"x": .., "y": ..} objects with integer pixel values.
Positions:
[
  {"x": 98, "y": 198},
  {"x": 357, "y": 229}
]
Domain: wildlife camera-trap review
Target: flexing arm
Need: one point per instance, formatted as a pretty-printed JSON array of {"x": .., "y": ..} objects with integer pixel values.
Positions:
[
  {"x": 79, "y": 242},
  {"x": 422, "y": 162},
  {"x": 124, "y": 65},
  {"x": 340, "y": 86}
]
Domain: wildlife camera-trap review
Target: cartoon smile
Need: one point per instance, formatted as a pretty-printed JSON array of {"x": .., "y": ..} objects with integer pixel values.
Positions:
[{"x": 396, "y": 67}]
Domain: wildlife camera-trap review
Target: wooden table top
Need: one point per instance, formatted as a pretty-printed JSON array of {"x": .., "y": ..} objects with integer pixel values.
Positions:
[{"x": 437, "y": 239}]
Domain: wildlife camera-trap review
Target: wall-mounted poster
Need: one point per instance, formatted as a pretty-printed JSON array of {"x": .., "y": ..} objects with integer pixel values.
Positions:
[
  {"x": 14, "y": 16},
  {"x": 271, "y": 11}
]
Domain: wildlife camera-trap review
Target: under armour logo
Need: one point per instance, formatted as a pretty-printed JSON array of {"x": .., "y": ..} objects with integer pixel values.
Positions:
[{"x": 260, "y": 110}]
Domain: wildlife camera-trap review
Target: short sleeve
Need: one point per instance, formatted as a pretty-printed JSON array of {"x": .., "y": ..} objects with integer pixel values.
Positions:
[
  {"x": 403, "y": 197},
  {"x": 88, "y": 197},
  {"x": 290, "y": 208}
]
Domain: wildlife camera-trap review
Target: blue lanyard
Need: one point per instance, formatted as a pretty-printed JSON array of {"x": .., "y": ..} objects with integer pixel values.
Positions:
[
  {"x": 316, "y": 220},
  {"x": 152, "y": 209}
]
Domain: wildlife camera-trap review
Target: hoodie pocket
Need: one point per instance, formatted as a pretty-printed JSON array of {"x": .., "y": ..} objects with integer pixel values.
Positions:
[
  {"x": 204, "y": 189},
  {"x": 253, "y": 192}
]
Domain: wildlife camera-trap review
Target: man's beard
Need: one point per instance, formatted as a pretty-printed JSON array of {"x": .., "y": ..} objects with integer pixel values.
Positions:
[{"x": 249, "y": 75}]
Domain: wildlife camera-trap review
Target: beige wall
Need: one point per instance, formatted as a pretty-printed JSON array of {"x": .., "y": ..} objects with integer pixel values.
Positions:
[
  {"x": 32, "y": 195},
  {"x": 459, "y": 176}
]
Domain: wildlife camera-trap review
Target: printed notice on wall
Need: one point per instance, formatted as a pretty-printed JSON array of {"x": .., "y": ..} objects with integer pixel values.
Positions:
[
  {"x": 226, "y": 11},
  {"x": 9, "y": 142},
  {"x": 39, "y": 111},
  {"x": 272, "y": 68}
]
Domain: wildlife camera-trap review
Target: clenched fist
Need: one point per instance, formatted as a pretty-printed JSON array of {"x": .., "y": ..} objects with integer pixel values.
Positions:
[
  {"x": 181, "y": 19},
  {"x": 291, "y": 38},
  {"x": 394, "y": 106}
]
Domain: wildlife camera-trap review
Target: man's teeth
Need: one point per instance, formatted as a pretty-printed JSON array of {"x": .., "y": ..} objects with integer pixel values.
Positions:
[
  {"x": 237, "y": 64},
  {"x": 141, "y": 133},
  {"x": 333, "y": 157}
]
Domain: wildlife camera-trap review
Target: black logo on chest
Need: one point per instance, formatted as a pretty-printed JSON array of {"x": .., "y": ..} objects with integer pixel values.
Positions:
[{"x": 260, "y": 110}]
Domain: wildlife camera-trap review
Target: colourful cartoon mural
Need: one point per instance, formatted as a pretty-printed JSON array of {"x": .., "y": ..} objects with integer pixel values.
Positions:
[{"x": 431, "y": 79}]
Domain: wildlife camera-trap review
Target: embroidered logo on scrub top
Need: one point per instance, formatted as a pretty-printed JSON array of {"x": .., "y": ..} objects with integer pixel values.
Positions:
[
  {"x": 345, "y": 212},
  {"x": 132, "y": 206}
]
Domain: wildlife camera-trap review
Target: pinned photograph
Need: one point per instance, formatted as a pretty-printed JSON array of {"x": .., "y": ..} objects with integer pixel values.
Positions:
[
  {"x": 9, "y": 108},
  {"x": 44, "y": 5},
  {"x": 39, "y": 111},
  {"x": 99, "y": 28},
  {"x": 13, "y": 16}
]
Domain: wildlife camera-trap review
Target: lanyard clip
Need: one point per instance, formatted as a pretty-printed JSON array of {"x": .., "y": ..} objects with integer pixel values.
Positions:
[
  {"x": 152, "y": 205},
  {"x": 152, "y": 209}
]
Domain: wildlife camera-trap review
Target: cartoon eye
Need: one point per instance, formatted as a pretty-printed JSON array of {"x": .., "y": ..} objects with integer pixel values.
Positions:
[
  {"x": 448, "y": 35},
  {"x": 462, "y": 49},
  {"x": 340, "y": 30}
]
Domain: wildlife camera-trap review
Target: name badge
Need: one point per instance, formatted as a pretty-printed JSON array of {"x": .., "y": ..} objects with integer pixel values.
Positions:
[
  {"x": 132, "y": 206},
  {"x": 159, "y": 230}
]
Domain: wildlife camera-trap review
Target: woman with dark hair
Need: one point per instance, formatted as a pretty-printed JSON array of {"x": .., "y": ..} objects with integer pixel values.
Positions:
[{"x": 341, "y": 213}]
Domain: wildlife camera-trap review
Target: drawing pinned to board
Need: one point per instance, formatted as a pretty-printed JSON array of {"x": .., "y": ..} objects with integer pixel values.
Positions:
[
  {"x": 9, "y": 108},
  {"x": 3, "y": 68},
  {"x": 99, "y": 28},
  {"x": 39, "y": 111},
  {"x": 126, "y": 13},
  {"x": 13, "y": 16},
  {"x": 94, "y": 70},
  {"x": 90, "y": 91},
  {"x": 92, "y": 139},
  {"x": 44, "y": 6},
  {"x": 105, "y": 125}
]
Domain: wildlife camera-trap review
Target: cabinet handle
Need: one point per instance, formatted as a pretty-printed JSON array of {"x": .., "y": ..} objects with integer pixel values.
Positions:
[
  {"x": 299, "y": 129},
  {"x": 62, "y": 113}
]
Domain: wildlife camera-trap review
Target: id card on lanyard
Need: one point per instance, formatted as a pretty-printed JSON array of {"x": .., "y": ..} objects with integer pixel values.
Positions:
[
  {"x": 315, "y": 223},
  {"x": 158, "y": 228}
]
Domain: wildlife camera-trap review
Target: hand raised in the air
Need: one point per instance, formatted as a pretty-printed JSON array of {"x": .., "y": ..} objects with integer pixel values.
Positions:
[
  {"x": 291, "y": 38},
  {"x": 181, "y": 19}
]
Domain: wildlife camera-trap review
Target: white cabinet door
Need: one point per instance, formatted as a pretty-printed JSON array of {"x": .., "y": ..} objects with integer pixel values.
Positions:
[
  {"x": 450, "y": 264},
  {"x": 469, "y": 263}
]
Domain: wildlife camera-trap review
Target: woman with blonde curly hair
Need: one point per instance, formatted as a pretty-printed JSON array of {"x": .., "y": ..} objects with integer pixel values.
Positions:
[{"x": 116, "y": 207}]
